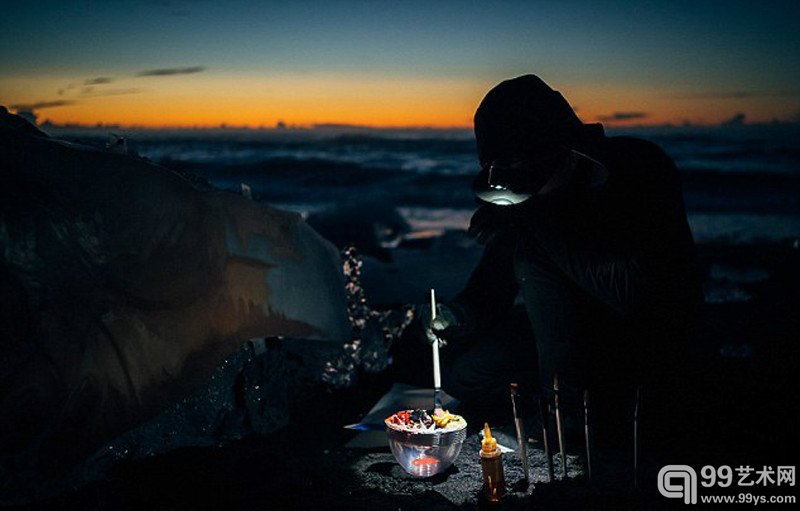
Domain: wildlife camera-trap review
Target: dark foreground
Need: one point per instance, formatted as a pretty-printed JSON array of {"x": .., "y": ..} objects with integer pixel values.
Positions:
[{"x": 738, "y": 407}]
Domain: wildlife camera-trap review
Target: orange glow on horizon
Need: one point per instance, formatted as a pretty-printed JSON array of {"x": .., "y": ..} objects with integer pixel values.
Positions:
[
  {"x": 252, "y": 101},
  {"x": 255, "y": 101}
]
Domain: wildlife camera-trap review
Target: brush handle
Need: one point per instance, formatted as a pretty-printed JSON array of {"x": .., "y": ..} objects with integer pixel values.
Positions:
[
  {"x": 562, "y": 448},
  {"x": 523, "y": 448},
  {"x": 545, "y": 413},
  {"x": 437, "y": 375},
  {"x": 636, "y": 439},
  {"x": 587, "y": 433}
]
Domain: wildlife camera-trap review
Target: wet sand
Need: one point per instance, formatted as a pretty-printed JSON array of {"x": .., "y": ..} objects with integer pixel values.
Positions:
[{"x": 738, "y": 408}]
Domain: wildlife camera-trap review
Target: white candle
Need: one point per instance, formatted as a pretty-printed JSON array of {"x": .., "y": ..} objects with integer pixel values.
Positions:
[{"x": 437, "y": 377}]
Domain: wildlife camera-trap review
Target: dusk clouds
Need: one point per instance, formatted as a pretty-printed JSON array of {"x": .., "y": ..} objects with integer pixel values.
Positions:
[
  {"x": 93, "y": 92},
  {"x": 737, "y": 94},
  {"x": 100, "y": 80},
  {"x": 170, "y": 71},
  {"x": 42, "y": 104},
  {"x": 623, "y": 116},
  {"x": 96, "y": 87}
]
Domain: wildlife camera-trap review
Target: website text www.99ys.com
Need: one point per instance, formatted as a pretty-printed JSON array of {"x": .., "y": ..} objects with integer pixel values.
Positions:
[
  {"x": 681, "y": 482},
  {"x": 748, "y": 498}
]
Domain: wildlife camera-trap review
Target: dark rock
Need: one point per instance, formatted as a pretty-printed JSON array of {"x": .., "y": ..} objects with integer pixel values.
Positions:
[
  {"x": 124, "y": 286},
  {"x": 372, "y": 227}
]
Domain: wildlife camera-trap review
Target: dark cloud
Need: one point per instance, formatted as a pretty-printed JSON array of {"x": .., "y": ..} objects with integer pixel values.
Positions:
[
  {"x": 69, "y": 87},
  {"x": 42, "y": 104},
  {"x": 718, "y": 95},
  {"x": 91, "y": 92},
  {"x": 740, "y": 94},
  {"x": 100, "y": 80},
  {"x": 623, "y": 116},
  {"x": 172, "y": 71},
  {"x": 736, "y": 120}
]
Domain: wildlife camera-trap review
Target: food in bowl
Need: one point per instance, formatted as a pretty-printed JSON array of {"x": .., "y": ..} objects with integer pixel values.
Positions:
[
  {"x": 423, "y": 443},
  {"x": 420, "y": 421}
]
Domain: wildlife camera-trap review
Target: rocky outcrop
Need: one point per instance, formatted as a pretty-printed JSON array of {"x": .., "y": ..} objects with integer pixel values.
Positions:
[{"x": 123, "y": 286}]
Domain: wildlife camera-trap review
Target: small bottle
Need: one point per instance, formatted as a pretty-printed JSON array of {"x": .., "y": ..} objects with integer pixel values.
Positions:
[{"x": 494, "y": 479}]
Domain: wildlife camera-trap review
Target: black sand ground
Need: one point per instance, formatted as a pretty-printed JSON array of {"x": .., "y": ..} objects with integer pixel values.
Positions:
[{"x": 736, "y": 410}]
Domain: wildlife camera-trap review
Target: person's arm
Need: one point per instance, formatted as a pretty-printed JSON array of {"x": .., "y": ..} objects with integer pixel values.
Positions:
[{"x": 492, "y": 287}]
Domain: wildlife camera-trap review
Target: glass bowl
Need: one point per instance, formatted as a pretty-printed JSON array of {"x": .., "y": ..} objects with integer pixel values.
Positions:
[{"x": 425, "y": 454}]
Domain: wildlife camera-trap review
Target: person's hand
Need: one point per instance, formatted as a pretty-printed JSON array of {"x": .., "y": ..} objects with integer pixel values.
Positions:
[
  {"x": 488, "y": 221},
  {"x": 446, "y": 320}
]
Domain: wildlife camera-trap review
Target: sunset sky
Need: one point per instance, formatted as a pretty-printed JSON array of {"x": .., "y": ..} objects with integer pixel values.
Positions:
[{"x": 399, "y": 63}]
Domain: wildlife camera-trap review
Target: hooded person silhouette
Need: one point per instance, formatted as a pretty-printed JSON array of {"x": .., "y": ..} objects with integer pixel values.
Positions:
[{"x": 591, "y": 232}]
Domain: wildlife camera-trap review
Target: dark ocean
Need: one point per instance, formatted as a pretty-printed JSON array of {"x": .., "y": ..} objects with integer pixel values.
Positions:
[{"x": 741, "y": 183}]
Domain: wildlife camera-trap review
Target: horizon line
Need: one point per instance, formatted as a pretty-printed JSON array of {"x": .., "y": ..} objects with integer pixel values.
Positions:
[
  {"x": 285, "y": 127},
  {"x": 299, "y": 128}
]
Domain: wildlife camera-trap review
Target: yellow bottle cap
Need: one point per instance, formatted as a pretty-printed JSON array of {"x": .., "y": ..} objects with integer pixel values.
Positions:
[{"x": 488, "y": 444}]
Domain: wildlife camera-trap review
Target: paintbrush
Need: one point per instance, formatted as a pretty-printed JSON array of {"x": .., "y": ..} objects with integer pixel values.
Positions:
[
  {"x": 560, "y": 431},
  {"x": 636, "y": 439},
  {"x": 437, "y": 375},
  {"x": 523, "y": 444},
  {"x": 586, "y": 433},
  {"x": 545, "y": 413}
]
